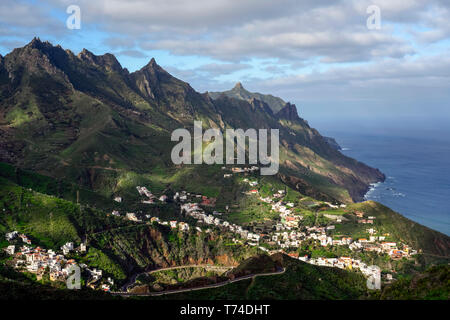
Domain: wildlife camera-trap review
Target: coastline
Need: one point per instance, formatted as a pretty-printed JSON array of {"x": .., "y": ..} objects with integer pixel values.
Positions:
[
  {"x": 362, "y": 196},
  {"x": 417, "y": 186},
  {"x": 372, "y": 187}
]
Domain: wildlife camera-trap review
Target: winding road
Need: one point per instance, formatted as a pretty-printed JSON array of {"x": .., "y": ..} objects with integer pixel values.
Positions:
[
  {"x": 206, "y": 266},
  {"x": 209, "y": 286}
]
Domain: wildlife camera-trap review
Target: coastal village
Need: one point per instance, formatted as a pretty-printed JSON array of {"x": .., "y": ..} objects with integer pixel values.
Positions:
[
  {"x": 56, "y": 264},
  {"x": 286, "y": 235}
]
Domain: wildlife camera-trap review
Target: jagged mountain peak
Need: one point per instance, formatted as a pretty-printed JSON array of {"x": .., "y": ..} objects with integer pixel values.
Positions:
[
  {"x": 153, "y": 66},
  {"x": 46, "y": 48},
  {"x": 37, "y": 43},
  {"x": 85, "y": 52},
  {"x": 255, "y": 103},
  {"x": 238, "y": 86},
  {"x": 172, "y": 94},
  {"x": 37, "y": 58},
  {"x": 288, "y": 112},
  {"x": 239, "y": 92},
  {"x": 107, "y": 60},
  {"x": 37, "y": 50}
]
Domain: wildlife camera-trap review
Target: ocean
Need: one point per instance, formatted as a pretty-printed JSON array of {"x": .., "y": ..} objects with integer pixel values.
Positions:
[{"x": 417, "y": 170}]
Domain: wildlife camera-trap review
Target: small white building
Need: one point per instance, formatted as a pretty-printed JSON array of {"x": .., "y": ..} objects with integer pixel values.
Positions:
[
  {"x": 10, "y": 249},
  {"x": 132, "y": 216},
  {"x": 173, "y": 224},
  {"x": 11, "y": 235}
]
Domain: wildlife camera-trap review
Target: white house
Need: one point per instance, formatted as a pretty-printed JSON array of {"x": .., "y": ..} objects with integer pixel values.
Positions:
[
  {"x": 10, "y": 249},
  {"x": 11, "y": 235}
]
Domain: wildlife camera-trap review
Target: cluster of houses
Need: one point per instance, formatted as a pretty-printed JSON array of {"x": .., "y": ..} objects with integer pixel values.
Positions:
[
  {"x": 243, "y": 170},
  {"x": 183, "y": 226},
  {"x": 334, "y": 206},
  {"x": 14, "y": 234},
  {"x": 360, "y": 216},
  {"x": 295, "y": 237},
  {"x": 184, "y": 196},
  {"x": 280, "y": 207},
  {"x": 151, "y": 198},
  {"x": 240, "y": 170},
  {"x": 129, "y": 216},
  {"x": 343, "y": 263},
  {"x": 195, "y": 211},
  {"x": 373, "y": 243},
  {"x": 376, "y": 244},
  {"x": 179, "y": 196},
  {"x": 288, "y": 219},
  {"x": 288, "y": 233},
  {"x": 38, "y": 261}
]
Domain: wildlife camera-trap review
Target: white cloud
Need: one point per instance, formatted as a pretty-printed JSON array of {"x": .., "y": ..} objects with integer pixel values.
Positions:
[
  {"x": 314, "y": 49},
  {"x": 391, "y": 84},
  {"x": 239, "y": 30}
]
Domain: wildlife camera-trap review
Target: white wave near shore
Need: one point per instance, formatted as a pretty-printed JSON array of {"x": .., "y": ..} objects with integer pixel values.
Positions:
[
  {"x": 376, "y": 190},
  {"x": 370, "y": 194}
]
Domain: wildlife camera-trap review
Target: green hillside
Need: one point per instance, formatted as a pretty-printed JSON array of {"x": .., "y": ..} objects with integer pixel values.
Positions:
[
  {"x": 115, "y": 245},
  {"x": 433, "y": 284},
  {"x": 85, "y": 119},
  {"x": 433, "y": 244},
  {"x": 76, "y": 131},
  {"x": 122, "y": 248},
  {"x": 299, "y": 281}
]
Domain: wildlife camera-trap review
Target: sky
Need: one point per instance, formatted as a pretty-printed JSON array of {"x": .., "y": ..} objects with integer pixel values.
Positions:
[{"x": 320, "y": 55}]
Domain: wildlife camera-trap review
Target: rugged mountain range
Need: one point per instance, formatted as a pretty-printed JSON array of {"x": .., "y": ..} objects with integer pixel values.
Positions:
[
  {"x": 85, "y": 118},
  {"x": 239, "y": 92}
]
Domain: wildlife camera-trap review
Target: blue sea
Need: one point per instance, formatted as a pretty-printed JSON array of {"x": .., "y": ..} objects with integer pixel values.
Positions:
[{"x": 417, "y": 169}]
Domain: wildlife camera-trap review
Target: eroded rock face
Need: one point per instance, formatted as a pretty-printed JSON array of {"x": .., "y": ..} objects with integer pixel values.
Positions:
[
  {"x": 155, "y": 247},
  {"x": 289, "y": 112}
]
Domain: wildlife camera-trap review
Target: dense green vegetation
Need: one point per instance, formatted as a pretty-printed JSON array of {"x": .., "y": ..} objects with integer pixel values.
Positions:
[
  {"x": 433, "y": 284},
  {"x": 176, "y": 276},
  {"x": 117, "y": 246},
  {"x": 300, "y": 281},
  {"x": 121, "y": 248},
  {"x": 17, "y": 286},
  {"x": 55, "y": 187},
  {"x": 150, "y": 247},
  {"x": 48, "y": 220}
]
